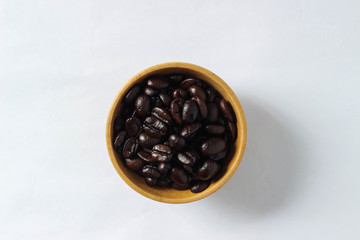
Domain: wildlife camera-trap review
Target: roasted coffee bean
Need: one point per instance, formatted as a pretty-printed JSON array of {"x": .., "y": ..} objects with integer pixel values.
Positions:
[
  {"x": 146, "y": 156},
  {"x": 176, "y": 110},
  {"x": 119, "y": 140},
  {"x": 142, "y": 105},
  {"x": 133, "y": 126},
  {"x": 135, "y": 164},
  {"x": 163, "y": 182},
  {"x": 189, "y": 130},
  {"x": 165, "y": 99},
  {"x": 154, "y": 127},
  {"x": 199, "y": 186},
  {"x": 190, "y": 111},
  {"x": 161, "y": 114},
  {"x": 202, "y": 106},
  {"x": 179, "y": 176},
  {"x": 152, "y": 182},
  {"x": 179, "y": 93},
  {"x": 226, "y": 110},
  {"x": 188, "y": 169},
  {"x": 164, "y": 167},
  {"x": 208, "y": 170},
  {"x": 219, "y": 155},
  {"x": 232, "y": 129},
  {"x": 130, "y": 147},
  {"x": 213, "y": 112},
  {"x": 148, "y": 91},
  {"x": 132, "y": 94},
  {"x": 215, "y": 129},
  {"x": 212, "y": 146},
  {"x": 158, "y": 82},
  {"x": 188, "y": 157},
  {"x": 161, "y": 153},
  {"x": 150, "y": 171},
  {"x": 180, "y": 187},
  {"x": 118, "y": 124},
  {"x": 188, "y": 82},
  {"x": 176, "y": 78},
  {"x": 210, "y": 94},
  {"x": 146, "y": 141},
  {"x": 177, "y": 142},
  {"x": 198, "y": 92}
]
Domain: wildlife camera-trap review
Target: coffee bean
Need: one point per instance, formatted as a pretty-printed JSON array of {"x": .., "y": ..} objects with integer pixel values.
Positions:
[
  {"x": 180, "y": 187},
  {"x": 132, "y": 94},
  {"x": 130, "y": 147},
  {"x": 188, "y": 156},
  {"x": 189, "y": 130},
  {"x": 148, "y": 91},
  {"x": 119, "y": 140},
  {"x": 208, "y": 170},
  {"x": 158, "y": 82},
  {"x": 188, "y": 82},
  {"x": 215, "y": 129},
  {"x": 161, "y": 114},
  {"x": 179, "y": 176},
  {"x": 213, "y": 112},
  {"x": 176, "y": 78},
  {"x": 135, "y": 164},
  {"x": 146, "y": 156},
  {"x": 118, "y": 124},
  {"x": 165, "y": 99},
  {"x": 133, "y": 126},
  {"x": 198, "y": 92},
  {"x": 161, "y": 153},
  {"x": 179, "y": 93},
  {"x": 146, "y": 141},
  {"x": 151, "y": 181},
  {"x": 202, "y": 106},
  {"x": 232, "y": 129},
  {"x": 164, "y": 167},
  {"x": 154, "y": 127},
  {"x": 150, "y": 171},
  {"x": 176, "y": 110},
  {"x": 163, "y": 182},
  {"x": 210, "y": 94},
  {"x": 226, "y": 110},
  {"x": 142, "y": 105},
  {"x": 190, "y": 111},
  {"x": 177, "y": 142},
  {"x": 199, "y": 186},
  {"x": 219, "y": 155},
  {"x": 212, "y": 146}
]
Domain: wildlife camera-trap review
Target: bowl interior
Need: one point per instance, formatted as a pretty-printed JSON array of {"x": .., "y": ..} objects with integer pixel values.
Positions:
[{"x": 232, "y": 161}]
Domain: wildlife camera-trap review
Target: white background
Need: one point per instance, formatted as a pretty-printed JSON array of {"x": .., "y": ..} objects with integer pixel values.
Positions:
[{"x": 294, "y": 65}]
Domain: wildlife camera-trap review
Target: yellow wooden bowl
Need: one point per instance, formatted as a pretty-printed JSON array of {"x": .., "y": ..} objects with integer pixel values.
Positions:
[{"x": 232, "y": 161}]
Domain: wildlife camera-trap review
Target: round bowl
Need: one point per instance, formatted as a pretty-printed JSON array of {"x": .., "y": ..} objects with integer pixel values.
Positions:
[{"x": 231, "y": 163}]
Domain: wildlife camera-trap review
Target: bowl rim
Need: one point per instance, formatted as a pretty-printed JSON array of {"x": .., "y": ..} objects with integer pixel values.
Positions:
[{"x": 241, "y": 137}]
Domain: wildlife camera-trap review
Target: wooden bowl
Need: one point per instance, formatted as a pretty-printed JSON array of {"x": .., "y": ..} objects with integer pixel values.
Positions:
[{"x": 231, "y": 163}]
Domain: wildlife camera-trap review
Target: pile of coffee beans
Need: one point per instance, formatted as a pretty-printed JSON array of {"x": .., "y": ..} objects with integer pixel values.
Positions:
[{"x": 175, "y": 131}]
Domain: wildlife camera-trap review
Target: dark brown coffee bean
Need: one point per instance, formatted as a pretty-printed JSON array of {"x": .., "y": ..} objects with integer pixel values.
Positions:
[
  {"x": 177, "y": 78},
  {"x": 142, "y": 105},
  {"x": 164, "y": 167},
  {"x": 176, "y": 110},
  {"x": 188, "y": 82},
  {"x": 176, "y": 142},
  {"x": 219, "y": 155},
  {"x": 132, "y": 94},
  {"x": 135, "y": 164},
  {"x": 198, "y": 92},
  {"x": 188, "y": 169},
  {"x": 179, "y": 93},
  {"x": 226, "y": 110},
  {"x": 179, "y": 176},
  {"x": 210, "y": 94},
  {"x": 199, "y": 186},
  {"x": 215, "y": 129},
  {"x": 161, "y": 153},
  {"x": 165, "y": 99},
  {"x": 130, "y": 147},
  {"x": 148, "y": 91},
  {"x": 208, "y": 170},
  {"x": 190, "y": 111},
  {"x": 202, "y": 106},
  {"x": 150, "y": 171},
  {"x": 213, "y": 112},
  {"x": 152, "y": 182},
  {"x": 133, "y": 126},
  {"x": 189, "y": 130},
  {"x": 180, "y": 187},
  {"x": 154, "y": 127},
  {"x": 188, "y": 157},
  {"x": 232, "y": 129},
  {"x": 146, "y": 156},
  {"x": 212, "y": 146},
  {"x": 118, "y": 124},
  {"x": 158, "y": 82},
  {"x": 163, "y": 182},
  {"x": 119, "y": 140},
  {"x": 146, "y": 141},
  {"x": 161, "y": 114}
]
